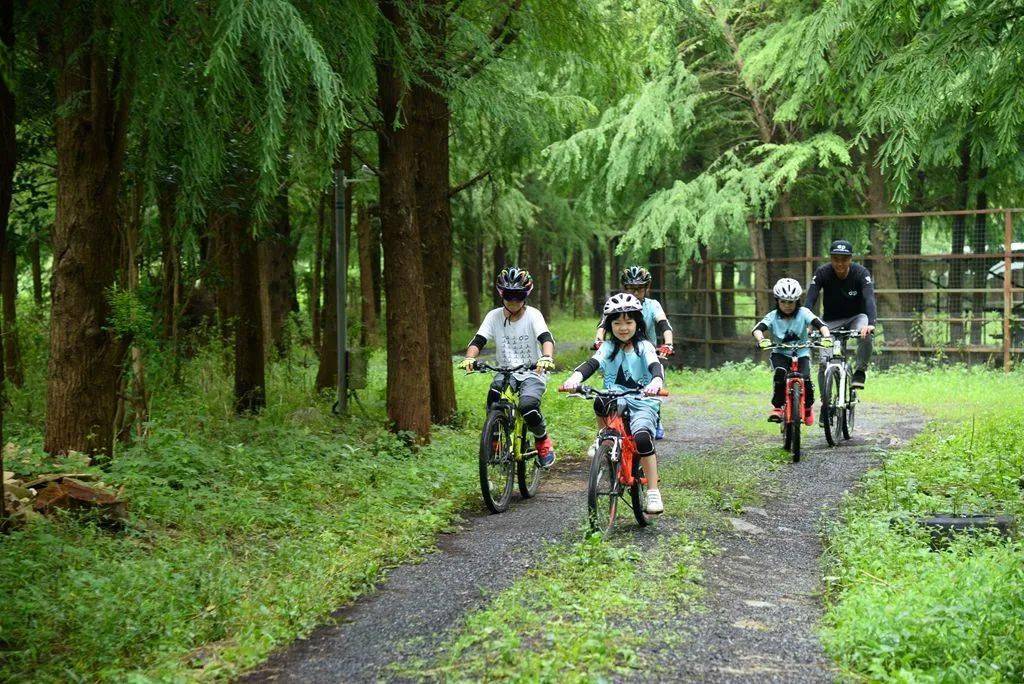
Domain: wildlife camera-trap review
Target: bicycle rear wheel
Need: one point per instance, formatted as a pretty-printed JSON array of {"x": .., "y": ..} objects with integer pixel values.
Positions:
[
  {"x": 793, "y": 426},
  {"x": 830, "y": 413},
  {"x": 602, "y": 490},
  {"x": 497, "y": 464},
  {"x": 528, "y": 471},
  {"x": 638, "y": 495}
]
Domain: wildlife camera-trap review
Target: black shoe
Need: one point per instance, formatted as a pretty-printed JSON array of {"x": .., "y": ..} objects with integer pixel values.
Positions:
[{"x": 858, "y": 379}]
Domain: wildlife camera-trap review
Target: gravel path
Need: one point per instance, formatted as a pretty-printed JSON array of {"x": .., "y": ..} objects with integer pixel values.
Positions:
[
  {"x": 763, "y": 592},
  {"x": 410, "y": 613},
  {"x": 762, "y": 600}
]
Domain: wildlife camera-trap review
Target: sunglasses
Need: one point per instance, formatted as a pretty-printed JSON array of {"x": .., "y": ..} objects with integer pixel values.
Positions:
[{"x": 514, "y": 295}]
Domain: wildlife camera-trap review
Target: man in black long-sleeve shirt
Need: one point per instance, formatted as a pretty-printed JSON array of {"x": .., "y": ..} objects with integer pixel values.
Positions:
[{"x": 848, "y": 300}]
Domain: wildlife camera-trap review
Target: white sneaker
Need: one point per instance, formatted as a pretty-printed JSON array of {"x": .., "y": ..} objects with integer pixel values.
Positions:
[{"x": 654, "y": 504}]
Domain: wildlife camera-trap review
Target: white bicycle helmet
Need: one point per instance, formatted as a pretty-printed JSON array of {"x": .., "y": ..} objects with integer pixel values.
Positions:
[
  {"x": 622, "y": 303},
  {"x": 788, "y": 290}
]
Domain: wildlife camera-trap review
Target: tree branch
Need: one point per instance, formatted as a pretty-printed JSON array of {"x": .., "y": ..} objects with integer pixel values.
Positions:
[
  {"x": 499, "y": 38},
  {"x": 455, "y": 190}
]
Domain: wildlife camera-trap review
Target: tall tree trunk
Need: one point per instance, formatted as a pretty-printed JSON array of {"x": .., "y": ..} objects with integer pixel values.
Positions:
[
  {"x": 318, "y": 258},
  {"x": 544, "y": 282},
  {"x": 364, "y": 237},
  {"x": 170, "y": 297},
  {"x": 597, "y": 270},
  {"x": 883, "y": 271},
  {"x": 376, "y": 268},
  {"x": 431, "y": 127},
  {"x": 221, "y": 272},
  {"x": 8, "y": 160},
  {"x": 954, "y": 300},
  {"x": 498, "y": 257},
  {"x": 133, "y": 398},
  {"x": 250, "y": 369},
  {"x": 408, "y": 376},
  {"x": 472, "y": 256},
  {"x": 613, "y": 265},
  {"x": 9, "y": 285},
  {"x": 327, "y": 372},
  {"x": 278, "y": 289},
  {"x": 85, "y": 356},
  {"x": 37, "y": 272},
  {"x": 762, "y": 286},
  {"x": 728, "y": 299},
  {"x": 561, "y": 279},
  {"x": 576, "y": 297}
]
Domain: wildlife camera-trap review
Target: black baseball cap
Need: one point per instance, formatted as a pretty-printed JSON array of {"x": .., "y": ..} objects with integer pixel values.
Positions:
[{"x": 841, "y": 247}]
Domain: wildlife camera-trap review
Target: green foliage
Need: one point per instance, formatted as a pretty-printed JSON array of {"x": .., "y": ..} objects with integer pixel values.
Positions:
[{"x": 901, "y": 612}]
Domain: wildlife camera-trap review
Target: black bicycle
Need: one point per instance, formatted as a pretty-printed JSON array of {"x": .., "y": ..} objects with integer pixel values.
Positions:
[
  {"x": 503, "y": 453},
  {"x": 838, "y": 397}
]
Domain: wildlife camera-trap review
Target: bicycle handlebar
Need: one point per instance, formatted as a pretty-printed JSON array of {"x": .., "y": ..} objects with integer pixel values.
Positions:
[
  {"x": 482, "y": 366},
  {"x": 845, "y": 332},
  {"x": 589, "y": 392}
]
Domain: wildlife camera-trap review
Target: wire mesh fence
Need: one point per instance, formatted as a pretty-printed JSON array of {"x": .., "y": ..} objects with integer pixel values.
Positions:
[{"x": 946, "y": 283}]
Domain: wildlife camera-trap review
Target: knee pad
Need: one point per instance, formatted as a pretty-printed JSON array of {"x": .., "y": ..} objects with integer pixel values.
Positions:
[{"x": 644, "y": 443}]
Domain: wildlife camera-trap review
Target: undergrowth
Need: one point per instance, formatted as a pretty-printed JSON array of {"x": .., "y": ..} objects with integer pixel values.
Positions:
[
  {"x": 243, "y": 533},
  {"x": 900, "y": 611}
]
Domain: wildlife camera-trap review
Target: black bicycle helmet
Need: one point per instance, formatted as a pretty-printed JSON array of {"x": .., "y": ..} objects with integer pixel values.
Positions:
[
  {"x": 514, "y": 279},
  {"x": 635, "y": 275}
]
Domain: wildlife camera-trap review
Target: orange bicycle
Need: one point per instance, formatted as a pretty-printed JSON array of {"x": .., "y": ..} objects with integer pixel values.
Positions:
[{"x": 615, "y": 468}]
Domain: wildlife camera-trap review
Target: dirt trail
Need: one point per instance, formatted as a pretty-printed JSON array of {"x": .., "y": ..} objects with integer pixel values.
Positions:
[
  {"x": 763, "y": 602},
  {"x": 762, "y": 590}
]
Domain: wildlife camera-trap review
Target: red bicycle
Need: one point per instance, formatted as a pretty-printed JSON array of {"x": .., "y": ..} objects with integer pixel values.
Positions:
[
  {"x": 615, "y": 468},
  {"x": 795, "y": 412}
]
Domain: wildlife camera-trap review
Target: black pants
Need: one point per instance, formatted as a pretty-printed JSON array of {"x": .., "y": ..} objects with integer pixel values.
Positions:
[{"x": 780, "y": 363}]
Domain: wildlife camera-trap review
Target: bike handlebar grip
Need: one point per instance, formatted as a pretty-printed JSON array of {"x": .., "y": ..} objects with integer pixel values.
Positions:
[
  {"x": 663, "y": 392},
  {"x": 564, "y": 389}
]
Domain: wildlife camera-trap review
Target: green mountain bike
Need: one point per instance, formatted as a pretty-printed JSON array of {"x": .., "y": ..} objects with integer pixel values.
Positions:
[{"x": 504, "y": 455}]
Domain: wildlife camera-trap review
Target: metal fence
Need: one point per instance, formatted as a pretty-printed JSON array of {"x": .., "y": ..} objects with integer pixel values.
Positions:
[{"x": 947, "y": 283}]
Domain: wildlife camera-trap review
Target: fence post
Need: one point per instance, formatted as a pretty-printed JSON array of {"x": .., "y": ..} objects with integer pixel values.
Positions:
[
  {"x": 808, "y": 251},
  {"x": 1007, "y": 284},
  {"x": 709, "y": 279}
]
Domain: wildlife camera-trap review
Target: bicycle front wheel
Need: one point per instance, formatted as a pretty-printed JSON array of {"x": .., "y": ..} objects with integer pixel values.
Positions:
[
  {"x": 602, "y": 490},
  {"x": 848, "y": 415},
  {"x": 793, "y": 426},
  {"x": 497, "y": 464},
  {"x": 830, "y": 410}
]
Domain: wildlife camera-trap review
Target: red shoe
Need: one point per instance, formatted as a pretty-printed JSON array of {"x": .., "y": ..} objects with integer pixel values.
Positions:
[
  {"x": 809, "y": 417},
  {"x": 776, "y": 415},
  {"x": 545, "y": 452}
]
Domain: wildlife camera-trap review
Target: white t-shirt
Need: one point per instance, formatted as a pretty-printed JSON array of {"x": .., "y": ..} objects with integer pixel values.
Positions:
[{"x": 515, "y": 342}]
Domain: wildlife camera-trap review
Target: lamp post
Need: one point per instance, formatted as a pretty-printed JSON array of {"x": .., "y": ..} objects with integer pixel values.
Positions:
[{"x": 341, "y": 275}]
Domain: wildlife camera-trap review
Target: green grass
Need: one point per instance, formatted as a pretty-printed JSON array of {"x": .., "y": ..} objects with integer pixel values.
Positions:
[{"x": 901, "y": 612}]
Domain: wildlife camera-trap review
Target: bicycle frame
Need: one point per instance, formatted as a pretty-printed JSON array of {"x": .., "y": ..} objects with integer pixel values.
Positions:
[
  {"x": 794, "y": 378},
  {"x": 624, "y": 447},
  {"x": 839, "y": 360},
  {"x": 509, "y": 401}
]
